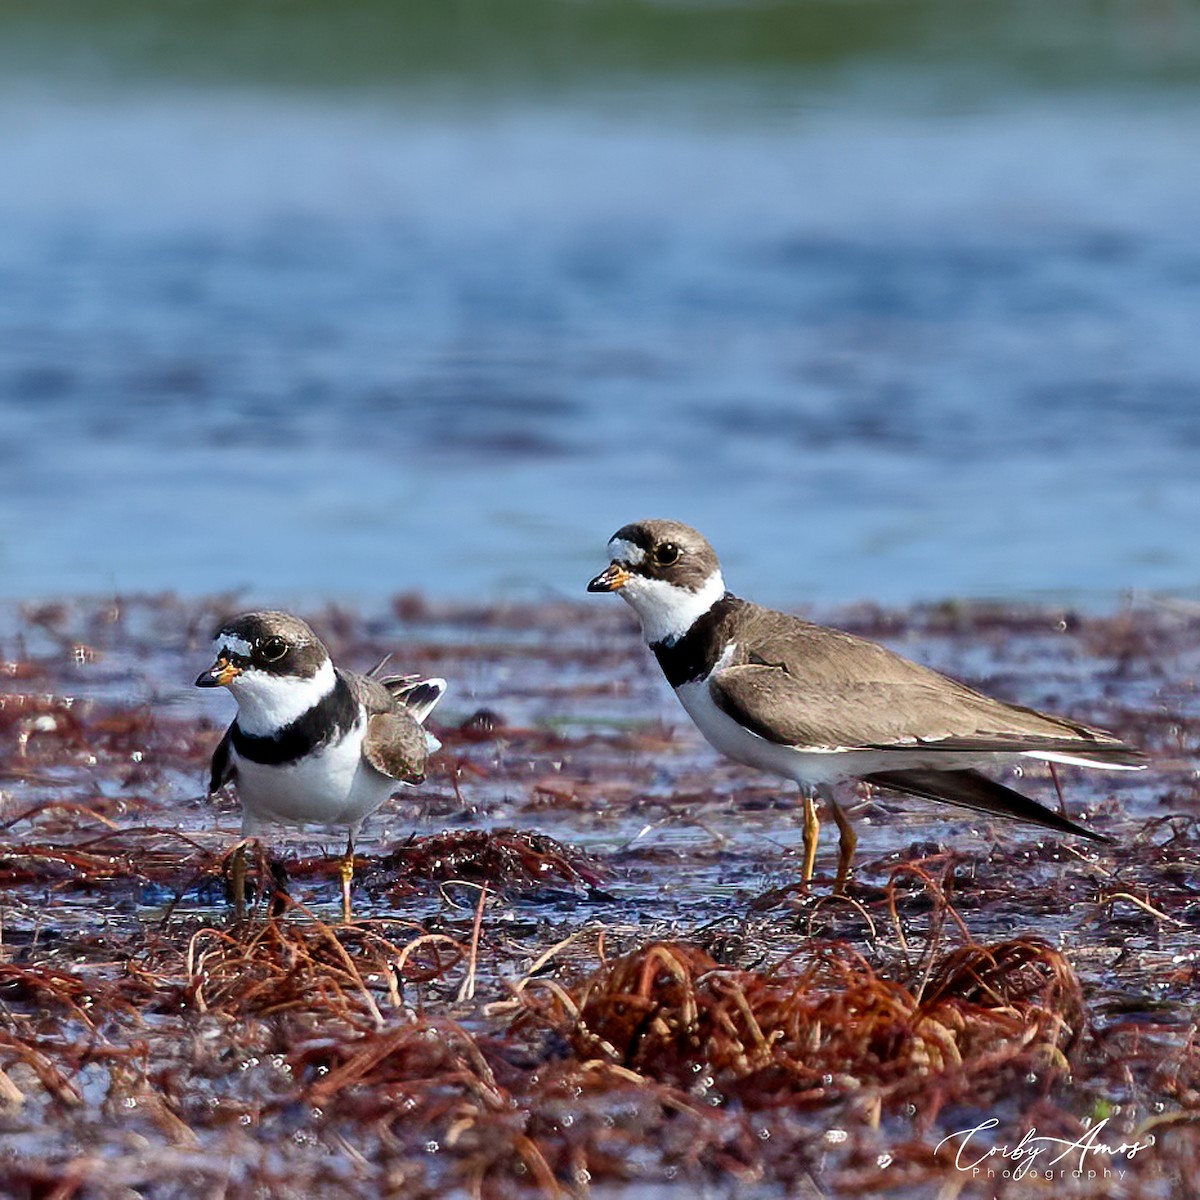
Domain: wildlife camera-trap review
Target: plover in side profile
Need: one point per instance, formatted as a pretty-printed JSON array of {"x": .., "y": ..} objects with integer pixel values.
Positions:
[
  {"x": 820, "y": 706},
  {"x": 312, "y": 743}
]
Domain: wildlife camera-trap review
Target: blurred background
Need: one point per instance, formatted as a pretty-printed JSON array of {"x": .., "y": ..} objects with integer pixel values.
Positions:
[{"x": 894, "y": 299}]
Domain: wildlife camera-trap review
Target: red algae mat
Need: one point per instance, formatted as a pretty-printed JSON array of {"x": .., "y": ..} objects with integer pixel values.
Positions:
[{"x": 579, "y": 961}]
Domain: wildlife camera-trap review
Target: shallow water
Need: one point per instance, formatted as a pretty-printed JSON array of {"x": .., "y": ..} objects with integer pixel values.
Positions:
[
  {"x": 351, "y": 343},
  {"x": 589, "y": 745},
  {"x": 113, "y": 895}
]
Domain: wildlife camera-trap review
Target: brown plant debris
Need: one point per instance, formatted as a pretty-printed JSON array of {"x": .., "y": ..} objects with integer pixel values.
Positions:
[
  {"x": 580, "y": 959},
  {"x": 825, "y": 1025},
  {"x": 505, "y": 859}
]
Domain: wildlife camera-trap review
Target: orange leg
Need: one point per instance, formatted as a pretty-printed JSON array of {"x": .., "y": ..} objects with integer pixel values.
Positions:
[
  {"x": 812, "y": 826},
  {"x": 346, "y": 871},
  {"x": 847, "y": 840}
]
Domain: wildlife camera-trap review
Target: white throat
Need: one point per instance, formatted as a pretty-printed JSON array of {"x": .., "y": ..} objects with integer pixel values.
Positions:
[
  {"x": 667, "y": 612},
  {"x": 266, "y": 703}
]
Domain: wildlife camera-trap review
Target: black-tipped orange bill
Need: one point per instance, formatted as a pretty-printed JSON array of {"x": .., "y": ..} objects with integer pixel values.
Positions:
[
  {"x": 219, "y": 674},
  {"x": 611, "y": 579}
]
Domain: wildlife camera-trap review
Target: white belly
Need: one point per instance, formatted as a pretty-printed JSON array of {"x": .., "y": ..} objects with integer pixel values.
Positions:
[{"x": 334, "y": 787}]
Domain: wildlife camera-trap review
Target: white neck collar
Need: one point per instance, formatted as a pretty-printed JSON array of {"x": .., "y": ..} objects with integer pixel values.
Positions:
[
  {"x": 667, "y": 612},
  {"x": 267, "y": 703}
]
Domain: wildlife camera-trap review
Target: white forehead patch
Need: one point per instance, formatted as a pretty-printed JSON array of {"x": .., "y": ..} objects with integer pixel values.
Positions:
[
  {"x": 235, "y": 645},
  {"x": 619, "y": 550}
]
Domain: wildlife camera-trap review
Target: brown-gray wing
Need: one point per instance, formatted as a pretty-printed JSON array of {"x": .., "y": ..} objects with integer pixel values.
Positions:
[
  {"x": 843, "y": 691},
  {"x": 780, "y": 707},
  {"x": 222, "y": 769},
  {"x": 396, "y": 745}
]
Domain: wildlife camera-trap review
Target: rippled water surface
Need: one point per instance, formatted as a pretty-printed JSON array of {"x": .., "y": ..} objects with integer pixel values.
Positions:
[{"x": 876, "y": 341}]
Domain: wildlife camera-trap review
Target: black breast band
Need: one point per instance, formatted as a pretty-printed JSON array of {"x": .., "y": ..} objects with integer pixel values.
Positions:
[
  {"x": 694, "y": 655},
  {"x": 331, "y": 717}
]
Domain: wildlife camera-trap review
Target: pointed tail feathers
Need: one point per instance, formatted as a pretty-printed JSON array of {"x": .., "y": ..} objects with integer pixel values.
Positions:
[
  {"x": 969, "y": 789},
  {"x": 419, "y": 696}
]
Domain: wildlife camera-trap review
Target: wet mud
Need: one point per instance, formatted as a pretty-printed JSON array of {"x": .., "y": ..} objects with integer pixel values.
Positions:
[{"x": 580, "y": 960}]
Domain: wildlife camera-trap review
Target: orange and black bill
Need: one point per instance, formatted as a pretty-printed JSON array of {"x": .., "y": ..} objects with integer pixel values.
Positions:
[
  {"x": 220, "y": 674},
  {"x": 611, "y": 579}
]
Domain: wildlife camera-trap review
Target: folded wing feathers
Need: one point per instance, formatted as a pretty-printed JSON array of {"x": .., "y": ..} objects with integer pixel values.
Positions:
[
  {"x": 394, "y": 702},
  {"x": 822, "y": 688}
]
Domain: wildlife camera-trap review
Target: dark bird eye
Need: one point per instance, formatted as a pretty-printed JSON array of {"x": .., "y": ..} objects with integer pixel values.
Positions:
[
  {"x": 666, "y": 554},
  {"x": 273, "y": 649}
]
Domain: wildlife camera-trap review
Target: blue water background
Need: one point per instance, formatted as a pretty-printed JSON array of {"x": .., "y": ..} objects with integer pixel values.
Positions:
[{"x": 347, "y": 343}]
